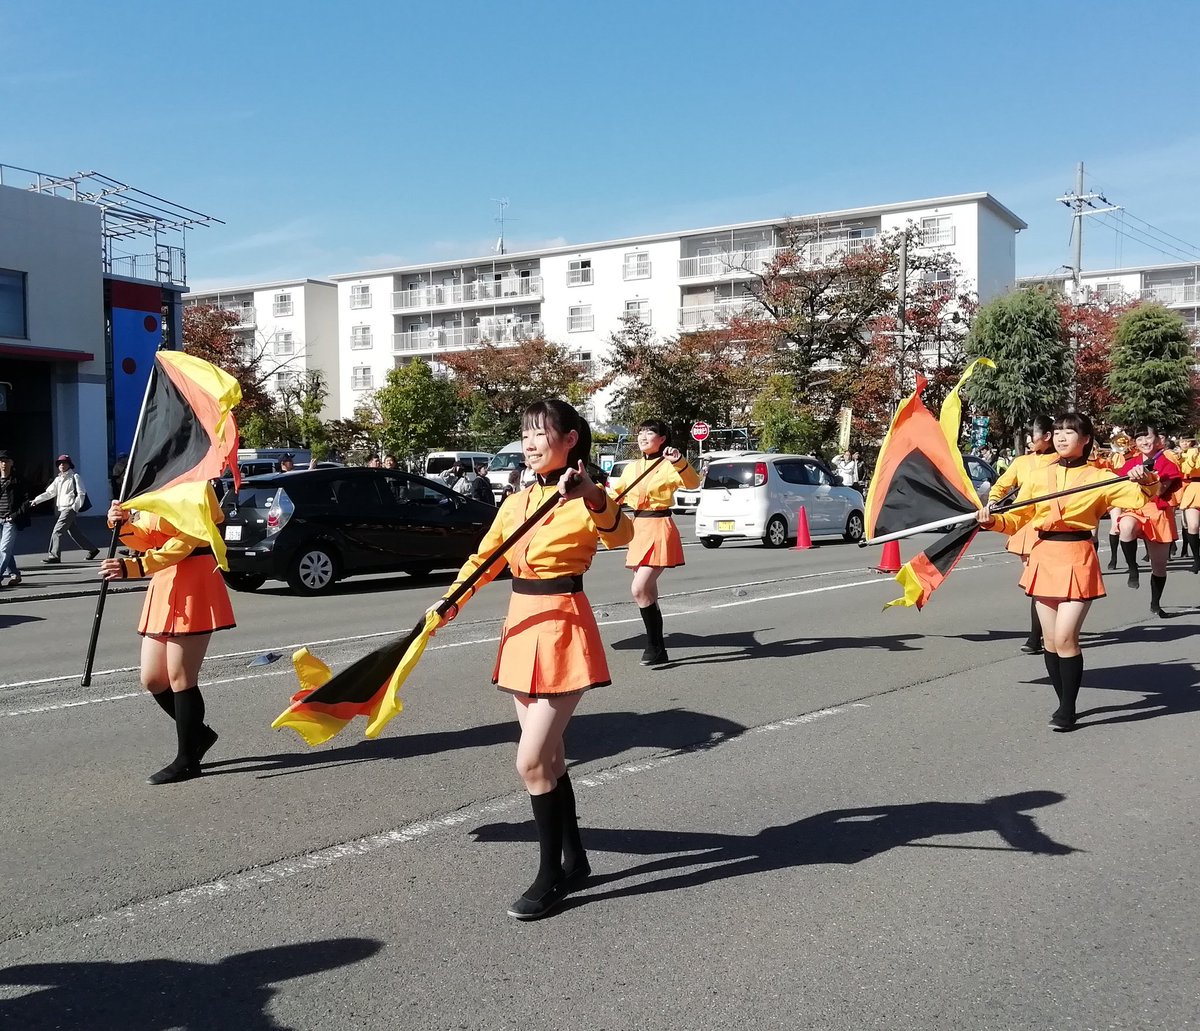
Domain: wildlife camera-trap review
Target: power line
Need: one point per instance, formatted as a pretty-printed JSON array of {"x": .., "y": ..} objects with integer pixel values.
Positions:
[{"x": 1160, "y": 234}]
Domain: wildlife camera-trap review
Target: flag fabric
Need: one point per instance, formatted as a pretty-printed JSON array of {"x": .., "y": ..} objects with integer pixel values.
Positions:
[
  {"x": 920, "y": 478},
  {"x": 187, "y": 437}
]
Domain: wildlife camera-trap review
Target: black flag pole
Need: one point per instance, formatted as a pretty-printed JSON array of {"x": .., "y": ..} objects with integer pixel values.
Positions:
[
  {"x": 966, "y": 517},
  {"x": 86, "y": 679}
]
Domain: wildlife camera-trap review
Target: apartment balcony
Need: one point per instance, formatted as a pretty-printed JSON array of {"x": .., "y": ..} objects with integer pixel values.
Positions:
[
  {"x": 943, "y": 237},
  {"x": 247, "y": 318},
  {"x": 712, "y": 316},
  {"x": 504, "y": 291},
  {"x": 462, "y": 337},
  {"x": 743, "y": 264},
  {"x": 1172, "y": 293}
]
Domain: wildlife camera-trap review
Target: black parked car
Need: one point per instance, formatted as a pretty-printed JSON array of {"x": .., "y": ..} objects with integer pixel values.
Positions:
[{"x": 315, "y": 526}]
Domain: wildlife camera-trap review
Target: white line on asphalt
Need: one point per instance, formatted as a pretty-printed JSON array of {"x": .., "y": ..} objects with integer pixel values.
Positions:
[{"x": 274, "y": 872}]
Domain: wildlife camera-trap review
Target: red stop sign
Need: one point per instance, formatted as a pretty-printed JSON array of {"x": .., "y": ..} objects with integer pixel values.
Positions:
[{"x": 699, "y": 431}]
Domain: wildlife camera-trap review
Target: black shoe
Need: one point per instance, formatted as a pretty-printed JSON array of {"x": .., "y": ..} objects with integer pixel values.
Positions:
[
  {"x": 652, "y": 658},
  {"x": 1029, "y": 648},
  {"x": 1112, "y": 562},
  {"x": 92, "y": 554},
  {"x": 174, "y": 773},
  {"x": 1061, "y": 722},
  {"x": 1134, "y": 580},
  {"x": 51, "y": 561},
  {"x": 526, "y": 908}
]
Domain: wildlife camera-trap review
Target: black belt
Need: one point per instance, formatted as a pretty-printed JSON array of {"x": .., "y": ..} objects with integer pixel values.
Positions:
[
  {"x": 1065, "y": 535},
  {"x": 200, "y": 551},
  {"x": 1192, "y": 479},
  {"x": 653, "y": 513},
  {"x": 554, "y": 585}
]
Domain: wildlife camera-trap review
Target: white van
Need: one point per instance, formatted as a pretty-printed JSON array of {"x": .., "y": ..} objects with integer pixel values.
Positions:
[
  {"x": 437, "y": 462},
  {"x": 759, "y": 495},
  {"x": 508, "y": 458}
]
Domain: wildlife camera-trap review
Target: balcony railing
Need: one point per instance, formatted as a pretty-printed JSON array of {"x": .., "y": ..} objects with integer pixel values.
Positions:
[
  {"x": 461, "y": 337},
  {"x": 280, "y": 308},
  {"x": 941, "y": 237},
  {"x": 244, "y": 312},
  {"x": 1172, "y": 293},
  {"x": 482, "y": 291},
  {"x": 732, "y": 264},
  {"x": 360, "y": 300},
  {"x": 580, "y": 323},
  {"x": 710, "y": 316}
]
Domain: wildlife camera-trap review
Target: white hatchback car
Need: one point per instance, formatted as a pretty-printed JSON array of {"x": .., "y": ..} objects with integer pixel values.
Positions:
[{"x": 759, "y": 495}]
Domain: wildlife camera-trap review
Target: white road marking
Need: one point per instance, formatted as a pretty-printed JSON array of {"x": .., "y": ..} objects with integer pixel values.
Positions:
[{"x": 273, "y": 873}]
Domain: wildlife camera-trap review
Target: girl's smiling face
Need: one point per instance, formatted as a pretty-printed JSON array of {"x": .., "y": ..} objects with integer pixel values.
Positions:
[
  {"x": 545, "y": 448},
  {"x": 1069, "y": 443},
  {"x": 649, "y": 442},
  {"x": 1147, "y": 442}
]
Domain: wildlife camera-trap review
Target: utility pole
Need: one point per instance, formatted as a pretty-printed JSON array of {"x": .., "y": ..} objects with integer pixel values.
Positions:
[
  {"x": 1081, "y": 204},
  {"x": 901, "y": 304}
]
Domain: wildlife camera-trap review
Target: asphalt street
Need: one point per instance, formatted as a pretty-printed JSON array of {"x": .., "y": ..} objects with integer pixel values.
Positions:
[{"x": 820, "y": 815}]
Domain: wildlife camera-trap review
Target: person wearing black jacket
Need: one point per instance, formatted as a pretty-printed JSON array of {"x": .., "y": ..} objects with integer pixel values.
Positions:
[
  {"x": 481, "y": 486},
  {"x": 14, "y": 516}
]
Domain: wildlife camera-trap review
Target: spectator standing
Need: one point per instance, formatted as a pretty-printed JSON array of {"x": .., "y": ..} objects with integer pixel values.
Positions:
[
  {"x": 69, "y": 496},
  {"x": 287, "y": 463},
  {"x": 481, "y": 487},
  {"x": 14, "y": 516},
  {"x": 373, "y": 462}
]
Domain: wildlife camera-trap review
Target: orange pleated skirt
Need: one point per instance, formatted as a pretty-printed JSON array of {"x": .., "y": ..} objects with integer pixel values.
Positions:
[
  {"x": 1189, "y": 494},
  {"x": 187, "y": 598},
  {"x": 1063, "y": 571},
  {"x": 656, "y": 542},
  {"x": 1021, "y": 542},
  {"x": 1154, "y": 523},
  {"x": 550, "y": 645}
]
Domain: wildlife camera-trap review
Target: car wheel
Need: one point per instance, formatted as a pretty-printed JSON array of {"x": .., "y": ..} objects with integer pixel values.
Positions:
[
  {"x": 419, "y": 572},
  {"x": 244, "y": 581},
  {"x": 776, "y": 535},
  {"x": 313, "y": 570},
  {"x": 712, "y": 542},
  {"x": 854, "y": 528}
]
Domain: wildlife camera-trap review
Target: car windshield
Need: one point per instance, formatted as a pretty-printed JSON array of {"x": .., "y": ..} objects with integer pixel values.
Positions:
[
  {"x": 729, "y": 476},
  {"x": 507, "y": 460}
]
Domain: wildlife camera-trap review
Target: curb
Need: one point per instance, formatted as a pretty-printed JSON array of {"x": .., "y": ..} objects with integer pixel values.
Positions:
[{"x": 17, "y": 596}]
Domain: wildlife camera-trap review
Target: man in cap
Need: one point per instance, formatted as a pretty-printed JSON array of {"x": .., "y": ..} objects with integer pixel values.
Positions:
[
  {"x": 14, "y": 516},
  {"x": 69, "y": 496}
]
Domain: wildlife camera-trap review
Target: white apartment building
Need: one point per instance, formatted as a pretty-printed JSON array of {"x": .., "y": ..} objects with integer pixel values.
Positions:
[
  {"x": 1174, "y": 286},
  {"x": 676, "y": 282},
  {"x": 295, "y": 325}
]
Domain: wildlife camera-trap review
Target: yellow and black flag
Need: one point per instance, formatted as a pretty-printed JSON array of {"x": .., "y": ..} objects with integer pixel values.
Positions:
[{"x": 920, "y": 479}]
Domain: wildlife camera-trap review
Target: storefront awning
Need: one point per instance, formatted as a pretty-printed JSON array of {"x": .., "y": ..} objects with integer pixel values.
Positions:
[{"x": 44, "y": 354}]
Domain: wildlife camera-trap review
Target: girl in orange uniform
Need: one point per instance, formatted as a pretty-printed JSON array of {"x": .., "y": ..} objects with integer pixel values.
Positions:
[
  {"x": 1122, "y": 444},
  {"x": 1039, "y": 454},
  {"x": 1154, "y": 521},
  {"x": 550, "y": 648},
  {"x": 186, "y": 603},
  {"x": 656, "y": 545},
  {"x": 1188, "y": 499},
  {"x": 1063, "y": 575}
]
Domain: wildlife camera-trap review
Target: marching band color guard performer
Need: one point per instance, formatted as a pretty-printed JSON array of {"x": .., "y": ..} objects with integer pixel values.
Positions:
[
  {"x": 186, "y": 603},
  {"x": 1154, "y": 521},
  {"x": 550, "y": 648},
  {"x": 1023, "y": 469},
  {"x": 1063, "y": 575},
  {"x": 1189, "y": 499},
  {"x": 656, "y": 544}
]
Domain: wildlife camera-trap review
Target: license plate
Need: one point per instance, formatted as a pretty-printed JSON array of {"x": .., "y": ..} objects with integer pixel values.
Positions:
[
  {"x": 233, "y": 533},
  {"x": 725, "y": 525}
]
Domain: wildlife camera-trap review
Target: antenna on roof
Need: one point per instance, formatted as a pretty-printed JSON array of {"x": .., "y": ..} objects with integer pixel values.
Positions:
[{"x": 503, "y": 203}]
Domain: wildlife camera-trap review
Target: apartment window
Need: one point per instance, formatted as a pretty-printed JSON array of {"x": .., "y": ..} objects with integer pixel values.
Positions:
[
  {"x": 587, "y": 366},
  {"x": 360, "y": 296},
  {"x": 284, "y": 344},
  {"x": 579, "y": 318},
  {"x": 12, "y": 304},
  {"x": 937, "y": 231},
  {"x": 287, "y": 380},
  {"x": 640, "y": 308},
  {"x": 282, "y": 304},
  {"x": 637, "y": 265},
  {"x": 360, "y": 338},
  {"x": 579, "y": 273},
  {"x": 940, "y": 278},
  {"x": 1109, "y": 291},
  {"x": 361, "y": 377}
]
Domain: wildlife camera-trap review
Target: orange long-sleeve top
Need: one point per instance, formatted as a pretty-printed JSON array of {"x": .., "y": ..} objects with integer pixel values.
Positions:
[
  {"x": 1021, "y": 469},
  {"x": 563, "y": 544},
  {"x": 1189, "y": 462},
  {"x": 1081, "y": 511},
  {"x": 657, "y": 491},
  {"x": 160, "y": 543}
]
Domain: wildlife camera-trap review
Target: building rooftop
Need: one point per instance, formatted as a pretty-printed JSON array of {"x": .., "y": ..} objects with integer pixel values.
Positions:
[{"x": 244, "y": 289}]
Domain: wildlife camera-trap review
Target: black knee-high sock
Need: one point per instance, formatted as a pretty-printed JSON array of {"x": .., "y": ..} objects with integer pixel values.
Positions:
[
  {"x": 1055, "y": 673},
  {"x": 1035, "y": 626},
  {"x": 548, "y": 817},
  {"x": 1194, "y": 539},
  {"x": 1157, "y": 583},
  {"x": 652, "y": 617},
  {"x": 1113, "y": 540},
  {"x": 572, "y": 851},
  {"x": 166, "y": 701},
  {"x": 1070, "y": 668},
  {"x": 1129, "y": 550},
  {"x": 189, "y": 718}
]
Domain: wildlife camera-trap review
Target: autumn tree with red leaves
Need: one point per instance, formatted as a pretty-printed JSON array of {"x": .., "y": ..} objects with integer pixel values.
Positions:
[{"x": 1089, "y": 326}]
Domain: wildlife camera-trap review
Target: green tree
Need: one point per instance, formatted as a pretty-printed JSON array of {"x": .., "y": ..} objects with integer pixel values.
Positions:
[
  {"x": 300, "y": 404},
  {"x": 1022, "y": 333},
  {"x": 420, "y": 411},
  {"x": 784, "y": 421},
  {"x": 1152, "y": 358}
]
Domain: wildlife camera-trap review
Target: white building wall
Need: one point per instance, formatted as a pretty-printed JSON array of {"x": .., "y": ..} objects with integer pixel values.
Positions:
[{"x": 379, "y": 357}]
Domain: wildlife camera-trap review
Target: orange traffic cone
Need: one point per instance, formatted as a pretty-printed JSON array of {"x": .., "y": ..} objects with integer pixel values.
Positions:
[
  {"x": 890, "y": 563},
  {"x": 803, "y": 538}
]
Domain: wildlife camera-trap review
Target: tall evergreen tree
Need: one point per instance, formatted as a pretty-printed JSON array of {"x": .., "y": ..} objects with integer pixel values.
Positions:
[{"x": 1152, "y": 360}]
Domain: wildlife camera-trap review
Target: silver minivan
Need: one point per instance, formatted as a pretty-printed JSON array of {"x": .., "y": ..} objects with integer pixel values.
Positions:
[{"x": 759, "y": 495}]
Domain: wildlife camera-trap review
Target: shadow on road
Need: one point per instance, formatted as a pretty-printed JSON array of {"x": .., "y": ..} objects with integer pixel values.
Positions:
[
  {"x": 1167, "y": 689},
  {"x": 7, "y": 621},
  {"x": 744, "y": 644},
  {"x": 837, "y": 836},
  {"x": 160, "y": 994},
  {"x": 590, "y": 736}
]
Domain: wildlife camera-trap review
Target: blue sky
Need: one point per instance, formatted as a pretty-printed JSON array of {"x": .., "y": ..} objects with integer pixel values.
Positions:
[{"x": 331, "y": 138}]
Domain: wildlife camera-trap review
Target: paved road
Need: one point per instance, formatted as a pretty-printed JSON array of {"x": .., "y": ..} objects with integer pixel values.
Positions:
[{"x": 819, "y": 816}]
